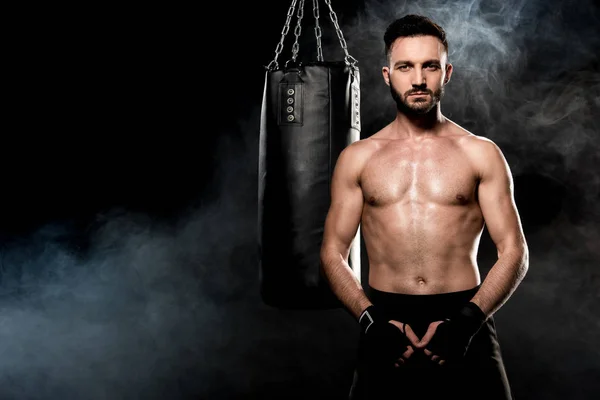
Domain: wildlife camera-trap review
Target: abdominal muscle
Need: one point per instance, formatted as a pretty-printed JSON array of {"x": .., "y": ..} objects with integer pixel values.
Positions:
[{"x": 422, "y": 248}]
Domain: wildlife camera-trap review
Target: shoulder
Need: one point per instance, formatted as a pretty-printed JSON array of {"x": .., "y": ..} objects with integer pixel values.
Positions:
[
  {"x": 480, "y": 146},
  {"x": 483, "y": 152},
  {"x": 357, "y": 153},
  {"x": 353, "y": 158}
]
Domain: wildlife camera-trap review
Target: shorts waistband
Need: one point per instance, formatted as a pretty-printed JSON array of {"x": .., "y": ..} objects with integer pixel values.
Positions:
[{"x": 420, "y": 306}]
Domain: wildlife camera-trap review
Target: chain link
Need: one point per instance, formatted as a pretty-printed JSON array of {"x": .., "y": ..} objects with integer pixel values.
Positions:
[
  {"x": 298, "y": 29},
  {"x": 286, "y": 28},
  {"x": 317, "y": 30},
  {"x": 349, "y": 59}
]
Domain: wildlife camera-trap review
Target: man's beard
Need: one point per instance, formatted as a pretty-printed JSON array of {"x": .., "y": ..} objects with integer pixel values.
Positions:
[{"x": 419, "y": 107}]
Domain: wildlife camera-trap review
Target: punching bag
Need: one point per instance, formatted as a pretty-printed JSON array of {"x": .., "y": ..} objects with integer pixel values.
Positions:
[{"x": 310, "y": 113}]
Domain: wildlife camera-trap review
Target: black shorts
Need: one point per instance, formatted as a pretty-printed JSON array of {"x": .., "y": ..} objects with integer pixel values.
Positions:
[{"x": 481, "y": 375}]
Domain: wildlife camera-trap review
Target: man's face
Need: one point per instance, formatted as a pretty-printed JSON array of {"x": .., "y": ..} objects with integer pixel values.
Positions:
[{"x": 417, "y": 73}]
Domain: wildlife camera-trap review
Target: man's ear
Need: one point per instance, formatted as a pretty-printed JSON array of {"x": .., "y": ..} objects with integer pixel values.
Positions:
[
  {"x": 385, "y": 71},
  {"x": 449, "y": 70}
]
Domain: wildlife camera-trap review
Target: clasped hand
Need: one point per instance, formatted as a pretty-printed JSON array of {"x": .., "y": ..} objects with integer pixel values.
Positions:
[{"x": 418, "y": 344}]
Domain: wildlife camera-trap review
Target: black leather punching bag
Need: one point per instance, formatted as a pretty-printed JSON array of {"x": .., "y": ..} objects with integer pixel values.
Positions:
[{"x": 310, "y": 113}]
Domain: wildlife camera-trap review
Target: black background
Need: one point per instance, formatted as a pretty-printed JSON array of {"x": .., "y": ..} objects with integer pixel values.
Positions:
[{"x": 129, "y": 197}]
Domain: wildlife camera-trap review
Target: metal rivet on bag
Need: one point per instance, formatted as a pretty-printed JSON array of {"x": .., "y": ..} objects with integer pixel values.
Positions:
[
  {"x": 290, "y": 109},
  {"x": 290, "y": 118},
  {"x": 290, "y": 91},
  {"x": 290, "y": 100}
]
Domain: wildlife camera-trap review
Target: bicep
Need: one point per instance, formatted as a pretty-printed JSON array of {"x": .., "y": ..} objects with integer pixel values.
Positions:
[
  {"x": 496, "y": 199},
  {"x": 345, "y": 210}
]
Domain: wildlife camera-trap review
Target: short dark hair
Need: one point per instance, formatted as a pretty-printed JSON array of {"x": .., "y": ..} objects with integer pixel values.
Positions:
[{"x": 412, "y": 25}]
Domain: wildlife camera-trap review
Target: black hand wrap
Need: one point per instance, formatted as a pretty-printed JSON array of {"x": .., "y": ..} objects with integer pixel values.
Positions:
[
  {"x": 384, "y": 342},
  {"x": 453, "y": 336}
]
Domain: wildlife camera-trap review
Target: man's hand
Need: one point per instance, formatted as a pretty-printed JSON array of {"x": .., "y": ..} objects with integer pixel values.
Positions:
[
  {"x": 385, "y": 341},
  {"x": 449, "y": 340},
  {"x": 424, "y": 343},
  {"x": 411, "y": 336}
]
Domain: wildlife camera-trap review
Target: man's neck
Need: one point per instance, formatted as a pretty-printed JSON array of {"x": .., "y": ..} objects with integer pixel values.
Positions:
[{"x": 417, "y": 126}]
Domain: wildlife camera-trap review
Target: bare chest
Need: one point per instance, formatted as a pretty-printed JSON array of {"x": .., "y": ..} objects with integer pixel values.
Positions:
[{"x": 433, "y": 172}]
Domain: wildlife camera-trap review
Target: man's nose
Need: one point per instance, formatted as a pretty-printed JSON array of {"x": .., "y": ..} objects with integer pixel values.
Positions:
[{"x": 418, "y": 79}]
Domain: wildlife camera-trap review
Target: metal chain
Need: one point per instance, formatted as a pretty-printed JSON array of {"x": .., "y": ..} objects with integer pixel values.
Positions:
[
  {"x": 298, "y": 31},
  {"x": 349, "y": 59},
  {"x": 286, "y": 28},
  {"x": 317, "y": 30}
]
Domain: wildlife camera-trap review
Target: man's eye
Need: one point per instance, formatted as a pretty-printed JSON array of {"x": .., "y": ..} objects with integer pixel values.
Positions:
[
  {"x": 434, "y": 67},
  {"x": 403, "y": 67}
]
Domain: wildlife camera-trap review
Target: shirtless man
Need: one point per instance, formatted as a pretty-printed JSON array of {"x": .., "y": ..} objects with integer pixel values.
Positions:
[{"x": 422, "y": 189}]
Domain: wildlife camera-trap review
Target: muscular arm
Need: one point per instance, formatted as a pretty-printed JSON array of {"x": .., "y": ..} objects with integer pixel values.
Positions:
[
  {"x": 504, "y": 226},
  {"x": 341, "y": 225}
]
